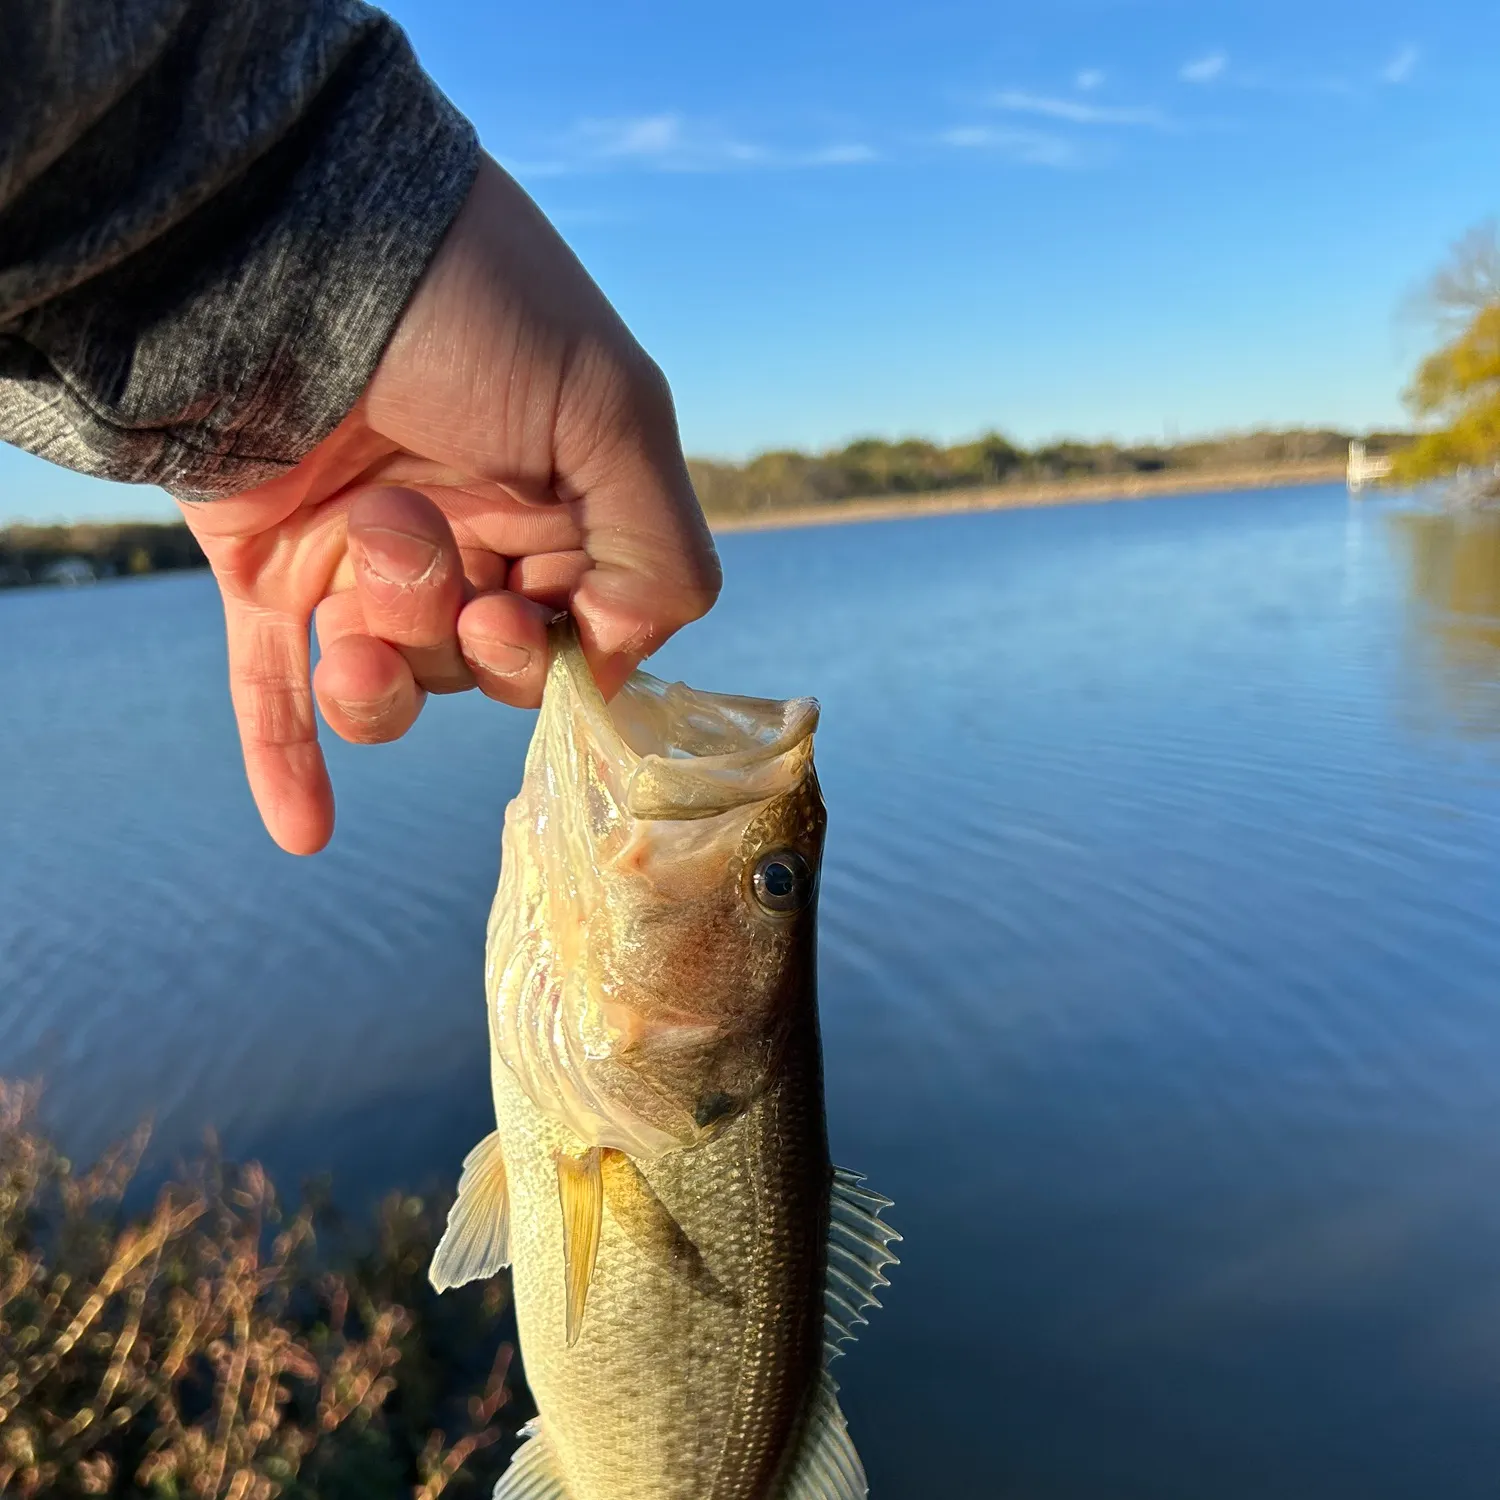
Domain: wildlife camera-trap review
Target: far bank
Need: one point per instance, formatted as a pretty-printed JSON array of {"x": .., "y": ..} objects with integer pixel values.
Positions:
[
  {"x": 82, "y": 554},
  {"x": 1022, "y": 496}
]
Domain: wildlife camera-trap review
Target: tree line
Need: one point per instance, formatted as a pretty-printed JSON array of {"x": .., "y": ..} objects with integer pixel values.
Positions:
[
  {"x": 873, "y": 467},
  {"x": 72, "y": 554},
  {"x": 1455, "y": 397},
  {"x": 869, "y": 467},
  {"x": 783, "y": 479}
]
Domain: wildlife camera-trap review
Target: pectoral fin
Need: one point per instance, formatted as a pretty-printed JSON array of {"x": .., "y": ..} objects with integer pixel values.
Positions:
[
  {"x": 650, "y": 1226},
  {"x": 533, "y": 1472},
  {"x": 580, "y": 1186},
  {"x": 475, "y": 1244}
]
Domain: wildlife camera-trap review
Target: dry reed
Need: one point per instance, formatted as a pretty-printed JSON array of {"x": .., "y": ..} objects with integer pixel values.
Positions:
[{"x": 206, "y": 1350}]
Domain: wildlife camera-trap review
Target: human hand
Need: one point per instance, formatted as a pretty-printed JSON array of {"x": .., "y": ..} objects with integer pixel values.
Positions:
[{"x": 515, "y": 453}]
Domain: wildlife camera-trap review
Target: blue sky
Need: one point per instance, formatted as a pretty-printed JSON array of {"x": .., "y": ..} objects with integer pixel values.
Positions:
[{"x": 1093, "y": 217}]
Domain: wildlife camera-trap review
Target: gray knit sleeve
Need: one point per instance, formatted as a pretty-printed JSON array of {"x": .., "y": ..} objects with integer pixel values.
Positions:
[{"x": 212, "y": 213}]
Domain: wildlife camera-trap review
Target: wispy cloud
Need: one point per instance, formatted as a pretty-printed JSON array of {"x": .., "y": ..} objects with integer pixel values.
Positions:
[
  {"x": 1400, "y": 67},
  {"x": 1204, "y": 69},
  {"x": 664, "y": 140},
  {"x": 671, "y": 142},
  {"x": 1031, "y": 148},
  {"x": 1089, "y": 79},
  {"x": 850, "y": 154},
  {"x": 1074, "y": 111}
]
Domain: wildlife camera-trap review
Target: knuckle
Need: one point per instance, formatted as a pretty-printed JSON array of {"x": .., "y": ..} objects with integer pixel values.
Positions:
[
  {"x": 697, "y": 601},
  {"x": 272, "y": 709},
  {"x": 653, "y": 389},
  {"x": 700, "y": 589},
  {"x": 627, "y": 389}
]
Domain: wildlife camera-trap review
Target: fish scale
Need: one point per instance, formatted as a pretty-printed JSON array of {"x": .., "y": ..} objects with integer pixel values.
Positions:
[{"x": 714, "y": 1426}]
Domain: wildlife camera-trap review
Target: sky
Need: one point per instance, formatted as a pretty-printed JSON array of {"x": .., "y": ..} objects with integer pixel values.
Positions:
[{"x": 1098, "y": 218}]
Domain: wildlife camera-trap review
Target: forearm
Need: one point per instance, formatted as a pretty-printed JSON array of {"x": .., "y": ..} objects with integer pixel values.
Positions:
[{"x": 211, "y": 217}]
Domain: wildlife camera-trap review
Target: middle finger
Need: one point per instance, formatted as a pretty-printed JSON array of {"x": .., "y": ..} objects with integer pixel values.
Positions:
[{"x": 409, "y": 576}]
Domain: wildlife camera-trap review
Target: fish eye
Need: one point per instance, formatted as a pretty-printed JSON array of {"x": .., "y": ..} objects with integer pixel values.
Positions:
[{"x": 782, "y": 881}]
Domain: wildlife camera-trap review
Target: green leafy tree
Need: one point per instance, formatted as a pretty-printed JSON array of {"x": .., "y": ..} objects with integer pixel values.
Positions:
[{"x": 1457, "y": 387}]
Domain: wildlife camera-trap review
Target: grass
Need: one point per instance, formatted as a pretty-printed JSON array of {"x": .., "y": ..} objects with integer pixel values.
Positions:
[{"x": 221, "y": 1345}]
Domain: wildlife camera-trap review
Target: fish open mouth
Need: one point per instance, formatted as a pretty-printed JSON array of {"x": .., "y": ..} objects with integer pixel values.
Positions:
[
  {"x": 674, "y": 752},
  {"x": 626, "y": 903}
]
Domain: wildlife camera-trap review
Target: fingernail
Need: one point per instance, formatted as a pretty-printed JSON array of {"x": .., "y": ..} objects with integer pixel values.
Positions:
[
  {"x": 369, "y": 710},
  {"x": 396, "y": 557},
  {"x": 497, "y": 657},
  {"x": 616, "y": 636},
  {"x": 611, "y": 630}
]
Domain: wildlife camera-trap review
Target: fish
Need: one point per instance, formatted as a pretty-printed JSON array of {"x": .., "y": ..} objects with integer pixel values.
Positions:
[{"x": 686, "y": 1260}]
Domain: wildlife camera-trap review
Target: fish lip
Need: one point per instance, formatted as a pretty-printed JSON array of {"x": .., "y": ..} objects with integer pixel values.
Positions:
[
  {"x": 565, "y": 651},
  {"x": 683, "y": 786}
]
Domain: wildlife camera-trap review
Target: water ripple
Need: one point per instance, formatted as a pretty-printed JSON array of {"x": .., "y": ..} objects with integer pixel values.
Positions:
[{"x": 1161, "y": 920}]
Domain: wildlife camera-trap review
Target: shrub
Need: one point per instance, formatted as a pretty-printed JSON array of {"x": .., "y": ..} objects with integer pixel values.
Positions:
[{"x": 207, "y": 1349}]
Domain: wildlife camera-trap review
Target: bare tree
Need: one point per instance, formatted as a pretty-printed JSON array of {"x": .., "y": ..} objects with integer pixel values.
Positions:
[{"x": 1469, "y": 280}]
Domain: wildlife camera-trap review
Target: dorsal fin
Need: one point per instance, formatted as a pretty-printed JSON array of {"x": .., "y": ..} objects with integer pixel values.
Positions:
[
  {"x": 476, "y": 1243},
  {"x": 533, "y": 1473},
  {"x": 825, "y": 1465},
  {"x": 859, "y": 1242}
]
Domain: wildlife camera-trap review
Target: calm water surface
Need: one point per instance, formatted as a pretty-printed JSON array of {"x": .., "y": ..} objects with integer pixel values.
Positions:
[{"x": 1161, "y": 965}]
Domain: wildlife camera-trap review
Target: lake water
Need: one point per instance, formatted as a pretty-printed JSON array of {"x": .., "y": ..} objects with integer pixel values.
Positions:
[{"x": 1161, "y": 965}]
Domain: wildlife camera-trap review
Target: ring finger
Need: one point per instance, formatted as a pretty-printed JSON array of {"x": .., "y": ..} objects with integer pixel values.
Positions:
[{"x": 364, "y": 687}]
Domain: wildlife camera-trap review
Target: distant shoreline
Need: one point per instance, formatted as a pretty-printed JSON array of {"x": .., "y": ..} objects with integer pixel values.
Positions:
[
  {"x": 32, "y": 555},
  {"x": 1028, "y": 496}
]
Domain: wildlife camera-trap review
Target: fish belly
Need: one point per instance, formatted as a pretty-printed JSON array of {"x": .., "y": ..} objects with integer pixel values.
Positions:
[{"x": 690, "y": 1377}]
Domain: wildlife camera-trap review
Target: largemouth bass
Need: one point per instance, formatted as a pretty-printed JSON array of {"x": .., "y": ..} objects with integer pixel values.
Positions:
[{"x": 686, "y": 1260}]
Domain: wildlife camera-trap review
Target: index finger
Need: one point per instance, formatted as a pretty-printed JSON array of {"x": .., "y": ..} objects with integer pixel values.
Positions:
[
  {"x": 654, "y": 567},
  {"x": 270, "y": 685}
]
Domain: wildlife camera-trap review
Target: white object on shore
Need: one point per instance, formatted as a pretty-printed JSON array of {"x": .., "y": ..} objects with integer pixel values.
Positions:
[{"x": 1363, "y": 469}]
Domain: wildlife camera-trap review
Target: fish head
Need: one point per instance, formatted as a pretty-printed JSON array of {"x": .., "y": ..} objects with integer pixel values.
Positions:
[
  {"x": 706, "y": 951},
  {"x": 652, "y": 945}
]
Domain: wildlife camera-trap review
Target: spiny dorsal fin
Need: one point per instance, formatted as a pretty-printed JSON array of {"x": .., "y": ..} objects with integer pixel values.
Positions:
[
  {"x": 650, "y": 1226},
  {"x": 476, "y": 1243},
  {"x": 859, "y": 1244},
  {"x": 533, "y": 1472},
  {"x": 825, "y": 1465},
  {"x": 580, "y": 1186}
]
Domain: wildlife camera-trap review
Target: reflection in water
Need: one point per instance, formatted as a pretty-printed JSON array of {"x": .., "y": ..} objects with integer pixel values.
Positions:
[{"x": 1453, "y": 572}]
